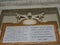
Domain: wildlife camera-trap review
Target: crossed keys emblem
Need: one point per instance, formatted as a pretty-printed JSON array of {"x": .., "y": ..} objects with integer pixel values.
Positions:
[{"x": 29, "y": 15}]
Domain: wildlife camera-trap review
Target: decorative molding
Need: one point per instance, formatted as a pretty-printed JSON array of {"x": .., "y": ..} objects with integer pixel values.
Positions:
[
  {"x": 28, "y": 2},
  {"x": 18, "y": 4}
]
